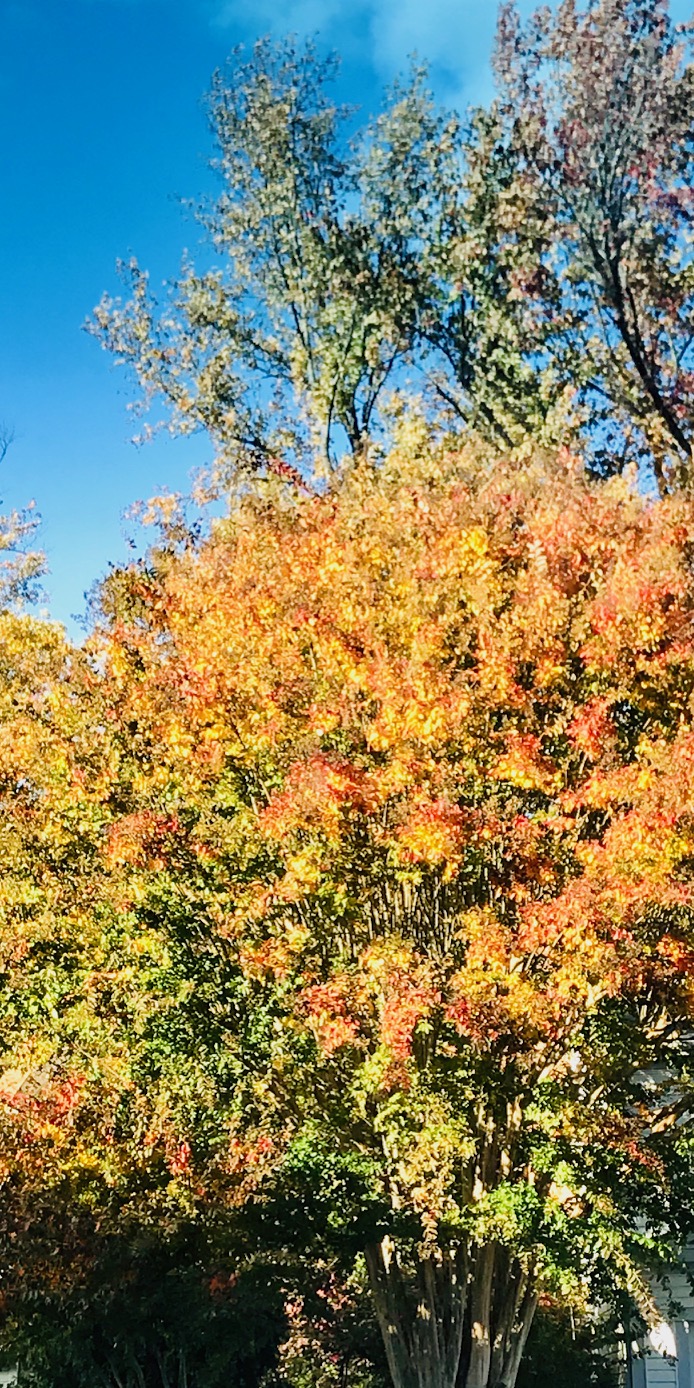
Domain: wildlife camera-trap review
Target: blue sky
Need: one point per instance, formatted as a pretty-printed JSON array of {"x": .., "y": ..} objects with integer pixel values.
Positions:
[{"x": 104, "y": 129}]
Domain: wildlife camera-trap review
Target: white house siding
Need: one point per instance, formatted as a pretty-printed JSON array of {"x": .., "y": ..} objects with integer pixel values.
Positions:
[
  {"x": 685, "y": 1353},
  {"x": 655, "y": 1370}
]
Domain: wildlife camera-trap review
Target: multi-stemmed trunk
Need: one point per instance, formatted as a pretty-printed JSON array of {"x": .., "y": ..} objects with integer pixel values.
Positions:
[
  {"x": 422, "y": 1318},
  {"x": 502, "y": 1302},
  {"x": 459, "y": 1320}
]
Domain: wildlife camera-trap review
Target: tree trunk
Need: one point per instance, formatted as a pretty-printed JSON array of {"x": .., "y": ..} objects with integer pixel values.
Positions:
[
  {"x": 421, "y": 1317},
  {"x": 502, "y": 1301},
  {"x": 445, "y": 1325},
  {"x": 480, "y": 1317},
  {"x": 518, "y": 1342}
]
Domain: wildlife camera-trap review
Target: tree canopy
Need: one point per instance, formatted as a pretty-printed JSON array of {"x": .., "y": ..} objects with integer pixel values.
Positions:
[
  {"x": 400, "y": 784},
  {"x": 526, "y": 268}
]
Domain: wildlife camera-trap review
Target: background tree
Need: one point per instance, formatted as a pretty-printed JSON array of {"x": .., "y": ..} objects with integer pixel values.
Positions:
[
  {"x": 597, "y": 110},
  {"x": 344, "y": 263},
  {"x": 323, "y": 248},
  {"x": 21, "y": 565},
  {"x": 529, "y": 269}
]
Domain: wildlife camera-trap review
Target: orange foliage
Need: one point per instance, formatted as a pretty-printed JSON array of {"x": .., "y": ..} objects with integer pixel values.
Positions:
[{"x": 434, "y": 731}]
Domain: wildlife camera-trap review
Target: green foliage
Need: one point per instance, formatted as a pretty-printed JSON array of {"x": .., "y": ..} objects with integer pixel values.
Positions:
[
  {"x": 143, "y": 1308},
  {"x": 528, "y": 270},
  {"x": 343, "y": 264},
  {"x": 569, "y": 1349}
]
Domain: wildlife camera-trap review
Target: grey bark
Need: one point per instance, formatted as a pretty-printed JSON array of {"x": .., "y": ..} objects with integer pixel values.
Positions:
[
  {"x": 503, "y": 1301},
  {"x": 427, "y": 1318},
  {"x": 519, "y": 1341},
  {"x": 422, "y": 1318},
  {"x": 480, "y": 1317}
]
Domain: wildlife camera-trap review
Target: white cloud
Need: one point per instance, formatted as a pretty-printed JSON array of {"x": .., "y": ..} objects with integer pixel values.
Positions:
[
  {"x": 453, "y": 36},
  {"x": 300, "y": 17}
]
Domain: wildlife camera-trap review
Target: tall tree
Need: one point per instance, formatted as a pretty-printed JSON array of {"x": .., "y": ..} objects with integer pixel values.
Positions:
[
  {"x": 343, "y": 265},
  {"x": 596, "y": 109},
  {"x": 529, "y": 268},
  {"x": 403, "y": 779}
]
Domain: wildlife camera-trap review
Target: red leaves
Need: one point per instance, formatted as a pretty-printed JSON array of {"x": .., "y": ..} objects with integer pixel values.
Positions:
[
  {"x": 522, "y": 763},
  {"x": 249, "y": 1159},
  {"x": 327, "y": 1007},
  {"x": 408, "y": 998},
  {"x": 592, "y": 730},
  {"x": 317, "y": 792},
  {"x": 678, "y": 953},
  {"x": 381, "y": 1003},
  {"x": 143, "y": 838},
  {"x": 179, "y": 1159},
  {"x": 433, "y": 833}
]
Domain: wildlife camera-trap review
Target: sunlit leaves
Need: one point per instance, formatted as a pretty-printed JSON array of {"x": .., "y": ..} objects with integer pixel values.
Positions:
[{"x": 418, "y": 752}]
